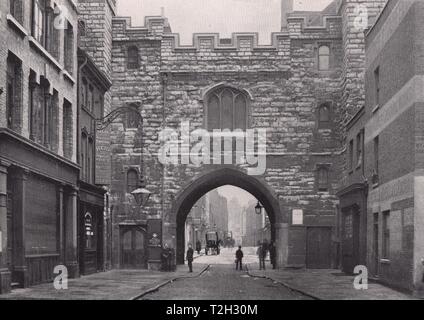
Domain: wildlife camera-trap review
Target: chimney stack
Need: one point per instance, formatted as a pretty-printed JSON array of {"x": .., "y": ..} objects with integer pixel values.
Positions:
[{"x": 286, "y": 8}]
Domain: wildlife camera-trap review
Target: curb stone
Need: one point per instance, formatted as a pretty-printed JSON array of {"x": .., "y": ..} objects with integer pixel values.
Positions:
[{"x": 165, "y": 283}]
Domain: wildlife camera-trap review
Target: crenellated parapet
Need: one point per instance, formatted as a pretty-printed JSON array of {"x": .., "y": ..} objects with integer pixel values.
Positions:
[
  {"x": 154, "y": 27},
  {"x": 237, "y": 42},
  {"x": 301, "y": 25}
]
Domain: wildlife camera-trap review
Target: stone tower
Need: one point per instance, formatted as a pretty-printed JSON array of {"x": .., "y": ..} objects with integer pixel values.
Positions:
[{"x": 357, "y": 17}]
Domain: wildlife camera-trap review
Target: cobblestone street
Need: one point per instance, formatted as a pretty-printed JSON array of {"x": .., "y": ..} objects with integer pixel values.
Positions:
[{"x": 223, "y": 282}]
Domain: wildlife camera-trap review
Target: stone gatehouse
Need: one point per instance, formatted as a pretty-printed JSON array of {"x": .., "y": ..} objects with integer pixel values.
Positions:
[{"x": 301, "y": 88}]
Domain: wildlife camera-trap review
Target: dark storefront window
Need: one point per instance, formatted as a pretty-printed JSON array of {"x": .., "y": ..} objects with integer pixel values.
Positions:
[{"x": 41, "y": 224}]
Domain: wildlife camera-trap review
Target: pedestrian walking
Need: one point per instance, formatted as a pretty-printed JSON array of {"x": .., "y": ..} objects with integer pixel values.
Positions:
[
  {"x": 198, "y": 247},
  {"x": 272, "y": 254},
  {"x": 263, "y": 254},
  {"x": 190, "y": 258},
  {"x": 239, "y": 259},
  {"x": 259, "y": 253}
]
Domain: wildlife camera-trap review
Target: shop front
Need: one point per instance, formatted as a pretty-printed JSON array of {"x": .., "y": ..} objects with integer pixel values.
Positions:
[{"x": 91, "y": 229}]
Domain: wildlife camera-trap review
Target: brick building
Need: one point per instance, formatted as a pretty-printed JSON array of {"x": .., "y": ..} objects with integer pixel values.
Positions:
[
  {"x": 93, "y": 221},
  {"x": 393, "y": 145},
  {"x": 38, "y": 142}
]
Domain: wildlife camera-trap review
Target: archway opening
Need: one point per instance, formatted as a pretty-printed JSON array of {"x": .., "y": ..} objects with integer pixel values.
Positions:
[
  {"x": 190, "y": 196},
  {"x": 224, "y": 219}
]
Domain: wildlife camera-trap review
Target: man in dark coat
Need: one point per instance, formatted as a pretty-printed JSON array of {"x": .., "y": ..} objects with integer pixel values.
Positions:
[
  {"x": 198, "y": 246},
  {"x": 239, "y": 259},
  {"x": 190, "y": 258},
  {"x": 262, "y": 255},
  {"x": 165, "y": 258}
]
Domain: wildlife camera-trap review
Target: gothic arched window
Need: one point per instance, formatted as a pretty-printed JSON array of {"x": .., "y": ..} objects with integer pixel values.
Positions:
[
  {"x": 133, "y": 58},
  {"x": 227, "y": 109},
  {"x": 132, "y": 180}
]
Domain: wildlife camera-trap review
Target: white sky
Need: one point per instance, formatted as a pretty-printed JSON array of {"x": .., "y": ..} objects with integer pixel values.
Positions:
[
  {"x": 242, "y": 196},
  {"x": 220, "y": 16}
]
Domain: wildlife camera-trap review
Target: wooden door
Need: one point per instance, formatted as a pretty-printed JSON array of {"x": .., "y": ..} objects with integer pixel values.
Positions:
[
  {"x": 350, "y": 241},
  {"x": 318, "y": 248},
  {"x": 133, "y": 248}
]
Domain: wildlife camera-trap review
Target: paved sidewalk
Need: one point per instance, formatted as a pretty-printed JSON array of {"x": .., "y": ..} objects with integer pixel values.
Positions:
[
  {"x": 111, "y": 285},
  {"x": 327, "y": 284}
]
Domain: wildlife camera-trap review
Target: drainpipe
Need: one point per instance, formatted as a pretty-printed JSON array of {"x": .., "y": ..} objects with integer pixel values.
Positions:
[{"x": 164, "y": 92}]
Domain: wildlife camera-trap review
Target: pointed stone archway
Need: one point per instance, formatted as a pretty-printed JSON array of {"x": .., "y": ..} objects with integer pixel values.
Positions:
[{"x": 188, "y": 197}]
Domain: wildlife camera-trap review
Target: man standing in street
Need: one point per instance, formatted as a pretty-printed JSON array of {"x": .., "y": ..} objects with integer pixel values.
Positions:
[
  {"x": 239, "y": 259},
  {"x": 190, "y": 254},
  {"x": 165, "y": 258}
]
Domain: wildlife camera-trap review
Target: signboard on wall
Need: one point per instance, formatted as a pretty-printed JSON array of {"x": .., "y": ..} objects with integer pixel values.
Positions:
[
  {"x": 297, "y": 217},
  {"x": 154, "y": 239}
]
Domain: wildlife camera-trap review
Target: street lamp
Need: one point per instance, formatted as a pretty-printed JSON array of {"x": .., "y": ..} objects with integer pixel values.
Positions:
[
  {"x": 258, "y": 209},
  {"x": 141, "y": 196}
]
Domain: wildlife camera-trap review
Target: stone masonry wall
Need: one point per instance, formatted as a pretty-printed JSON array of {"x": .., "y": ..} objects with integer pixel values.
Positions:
[{"x": 286, "y": 90}]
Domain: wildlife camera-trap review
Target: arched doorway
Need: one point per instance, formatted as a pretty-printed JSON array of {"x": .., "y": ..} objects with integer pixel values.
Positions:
[{"x": 215, "y": 179}]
